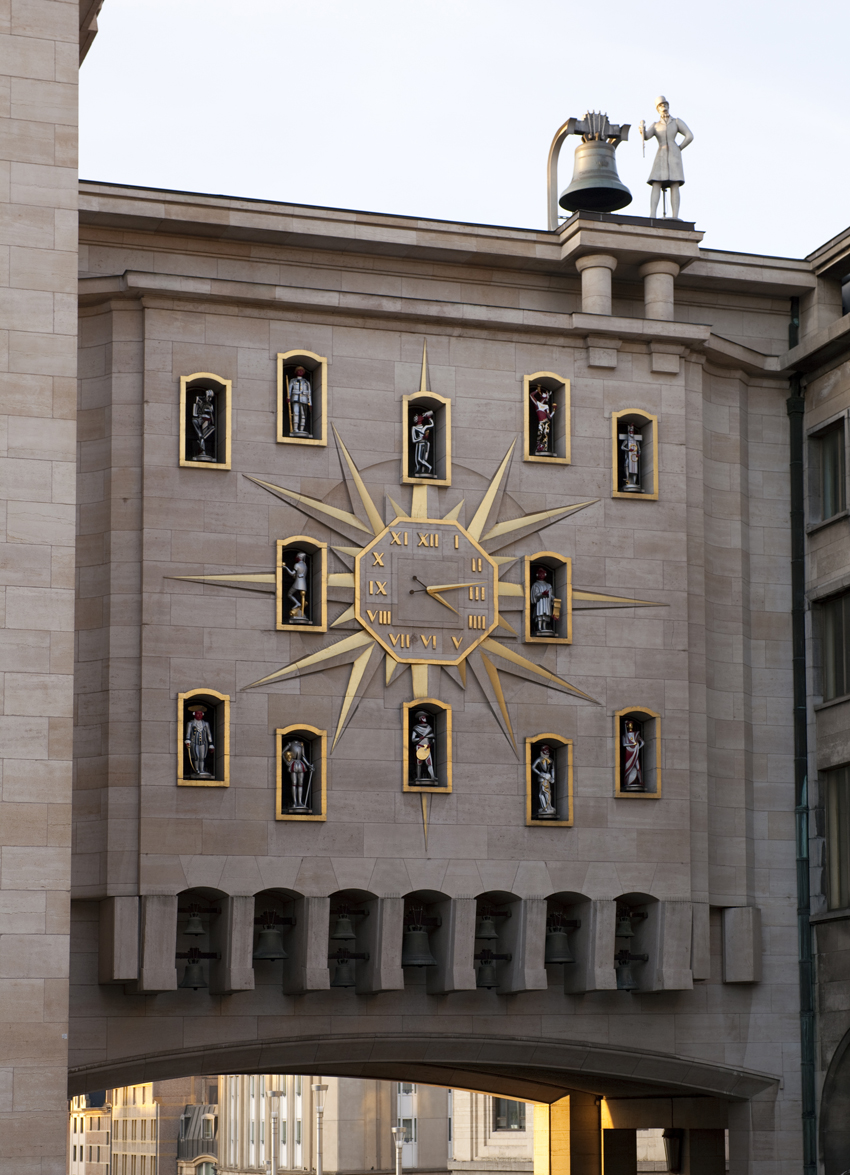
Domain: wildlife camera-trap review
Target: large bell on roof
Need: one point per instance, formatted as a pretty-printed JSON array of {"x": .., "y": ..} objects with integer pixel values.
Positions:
[
  {"x": 193, "y": 976},
  {"x": 343, "y": 931},
  {"x": 194, "y": 926},
  {"x": 596, "y": 186},
  {"x": 487, "y": 928},
  {"x": 344, "y": 973},
  {"x": 416, "y": 950},
  {"x": 557, "y": 946},
  {"x": 270, "y": 945}
]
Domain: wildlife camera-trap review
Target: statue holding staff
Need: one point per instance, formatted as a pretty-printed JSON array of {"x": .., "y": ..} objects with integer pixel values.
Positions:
[
  {"x": 297, "y": 593},
  {"x": 630, "y": 444},
  {"x": 633, "y": 744},
  {"x": 300, "y": 776},
  {"x": 198, "y": 742},
  {"x": 299, "y": 396},
  {"x": 543, "y": 769},
  {"x": 667, "y": 171}
]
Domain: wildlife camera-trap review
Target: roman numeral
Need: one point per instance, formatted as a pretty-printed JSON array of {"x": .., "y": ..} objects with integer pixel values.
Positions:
[
  {"x": 457, "y": 641},
  {"x": 480, "y": 592},
  {"x": 379, "y": 559},
  {"x": 428, "y": 540},
  {"x": 428, "y": 640},
  {"x": 402, "y": 639},
  {"x": 396, "y": 539},
  {"x": 477, "y": 564},
  {"x": 476, "y": 621},
  {"x": 377, "y": 587}
]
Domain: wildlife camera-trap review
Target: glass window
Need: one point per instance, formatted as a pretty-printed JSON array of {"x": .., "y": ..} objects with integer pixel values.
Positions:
[
  {"x": 832, "y": 476},
  {"x": 208, "y": 1128},
  {"x": 409, "y": 1127},
  {"x": 836, "y": 653},
  {"x": 838, "y": 837},
  {"x": 297, "y": 1131},
  {"x": 406, "y": 1087},
  {"x": 507, "y": 1114}
]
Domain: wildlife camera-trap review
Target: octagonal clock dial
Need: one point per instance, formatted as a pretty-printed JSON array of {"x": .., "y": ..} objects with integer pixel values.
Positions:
[{"x": 426, "y": 591}]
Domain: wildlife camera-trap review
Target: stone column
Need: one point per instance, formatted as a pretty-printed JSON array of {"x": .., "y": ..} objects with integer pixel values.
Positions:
[
  {"x": 658, "y": 277},
  {"x": 38, "y": 299},
  {"x": 596, "y": 271}
]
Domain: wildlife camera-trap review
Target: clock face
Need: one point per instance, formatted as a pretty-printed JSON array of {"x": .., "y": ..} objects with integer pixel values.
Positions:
[{"x": 426, "y": 591}]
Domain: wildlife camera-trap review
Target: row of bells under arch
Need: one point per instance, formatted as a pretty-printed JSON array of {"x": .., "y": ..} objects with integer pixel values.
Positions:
[{"x": 416, "y": 948}]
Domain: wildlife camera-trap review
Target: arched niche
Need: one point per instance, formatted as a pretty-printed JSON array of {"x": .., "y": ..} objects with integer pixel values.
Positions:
[
  {"x": 416, "y": 768},
  {"x": 276, "y": 910},
  {"x": 439, "y": 456},
  {"x": 205, "y": 421},
  {"x": 316, "y": 413},
  {"x": 546, "y": 394},
  {"x": 560, "y": 753},
  {"x": 496, "y": 914},
  {"x": 556, "y": 628},
  {"x": 301, "y": 794},
  {"x": 214, "y": 709},
  {"x": 567, "y": 915},
  {"x": 200, "y": 934},
  {"x": 644, "y": 483},
  {"x": 646, "y": 726},
  {"x": 352, "y": 912},
  {"x": 292, "y": 613},
  {"x": 639, "y": 914},
  {"x": 426, "y": 913}
]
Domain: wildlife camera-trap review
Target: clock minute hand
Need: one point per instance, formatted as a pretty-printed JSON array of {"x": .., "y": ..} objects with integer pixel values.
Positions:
[{"x": 434, "y": 591}]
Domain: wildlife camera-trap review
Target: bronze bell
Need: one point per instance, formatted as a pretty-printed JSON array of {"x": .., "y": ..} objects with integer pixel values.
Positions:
[
  {"x": 416, "y": 949},
  {"x": 344, "y": 973},
  {"x": 557, "y": 946},
  {"x": 625, "y": 979},
  {"x": 596, "y": 186},
  {"x": 194, "y": 926},
  {"x": 624, "y": 925},
  {"x": 193, "y": 976},
  {"x": 487, "y": 928},
  {"x": 486, "y": 975},
  {"x": 270, "y": 945},
  {"x": 343, "y": 931}
]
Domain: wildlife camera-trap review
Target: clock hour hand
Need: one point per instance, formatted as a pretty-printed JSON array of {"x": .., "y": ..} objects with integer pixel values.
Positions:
[{"x": 435, "y": 589}]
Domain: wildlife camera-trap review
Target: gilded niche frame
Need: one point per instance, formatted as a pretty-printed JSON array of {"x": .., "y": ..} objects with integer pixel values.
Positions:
[
  {"x": 314, "y": 734},
  {"x": 647, "y": 421},
  {"x": 443, "y": 732},
  {"x": 561, "y": 584},
  {"x": 319, "y": 415},
  {"x": 652, "y": 755},
  {"x": 317, "y": 550},
  {"x": 558, "y": 744},
  {"x": 221, "y": 733},
  {"x": 225, "y": 393},
  {"x": 442, "y": 435},
  {"x": 563, "y": 420}
]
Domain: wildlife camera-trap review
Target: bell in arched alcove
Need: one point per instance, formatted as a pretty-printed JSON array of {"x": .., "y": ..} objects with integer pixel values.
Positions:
[
  {"x": 416, "y": 949},
  {"x": 343, "y": 931},
  {"x": 557, "y": 945},
  {"x": 486, "y": 929},
  {"x": 624, "y": 925},
  {"x": 344, "y": 973},
  {"x": 270, "y": 945},
  {"x": 194, "y": 926},
  {"x": 487, "y": 976}
]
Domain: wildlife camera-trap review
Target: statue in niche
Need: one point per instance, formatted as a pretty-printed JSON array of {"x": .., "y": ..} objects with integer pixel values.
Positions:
[
  {"x": 198, "y": 742},
  {"x": 299, "y": 396},
  {"x": 300, "y": 771},
  {"x": 203, "y": 425},
  {"x": 633, "y": 744},
  {"x": 631, "y": 443},
  {"x": 420, "y": 436},
  {"x": 544, "y": 409},
  {"x": 542, "y": 603},
  {"x": 543, "y": 770},
  {"x": 667, "y": 171},
  {"x": 298, "y": 590},
  {"x": 422, "y": 741}
]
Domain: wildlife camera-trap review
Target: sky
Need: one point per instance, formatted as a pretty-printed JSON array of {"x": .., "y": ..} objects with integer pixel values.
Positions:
[{"x": 447, "y": 108}]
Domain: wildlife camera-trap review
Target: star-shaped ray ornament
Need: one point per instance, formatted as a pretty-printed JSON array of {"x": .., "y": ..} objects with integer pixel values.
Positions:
[{"x": 369, "y": 540}]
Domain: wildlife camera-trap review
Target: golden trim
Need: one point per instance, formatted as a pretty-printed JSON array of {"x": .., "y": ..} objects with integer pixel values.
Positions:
[
  {"x": 649, "y": 418},
  {"x": 279, "y": 736},
  {"x": 561, "y": 742},
  {"x": 578, "y": 594},
  {"x": 560, "y": 382},
  {"x": 419, "y": 679},
  {"x": 314, "y": 547},
  {"x": 227, "y": 391},
  {"x": 567, "y": 604},
  {"x": 225, "y": 727},
  {"x": 320, "y": 365},
  {"x": 643, "y": 713},
  {"x": 436, "y": 789}
]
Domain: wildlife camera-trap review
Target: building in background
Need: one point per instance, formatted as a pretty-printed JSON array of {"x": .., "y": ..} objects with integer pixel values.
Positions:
[
  {"x": 491, "y": 1135},
  {"x": 90, "y": 1134}
]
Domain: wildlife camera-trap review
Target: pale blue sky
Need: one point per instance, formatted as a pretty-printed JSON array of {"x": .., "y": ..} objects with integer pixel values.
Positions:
[{"x": 446, "y": 108}]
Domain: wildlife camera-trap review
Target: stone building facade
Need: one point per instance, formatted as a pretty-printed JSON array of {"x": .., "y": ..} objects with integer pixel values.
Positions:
[{"x": 730, "y": 865}]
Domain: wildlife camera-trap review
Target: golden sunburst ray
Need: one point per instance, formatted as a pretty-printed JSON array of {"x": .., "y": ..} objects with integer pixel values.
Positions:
[
  {"x": 362, "y": 672},
  {"x": 314, "y": 661},
  {"x": 342, "y": 521},
  {"x": 344, "y": 617},
  {"x": 513, "y": 657},
  {"x": 353, "y": 478},
  {"x": 492, "y": 498},
  {"x": 487, "y": 676},
  {"x": 513, "y": 529},
  {"x": 263, "y": 581},
  {"x": 454, "y": 514},
  {"x": 603, "y": 601}
]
